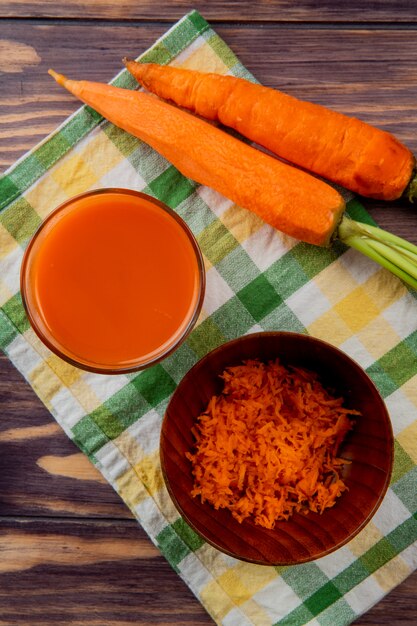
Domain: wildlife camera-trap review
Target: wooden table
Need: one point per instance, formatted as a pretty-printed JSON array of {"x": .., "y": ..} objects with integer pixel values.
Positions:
[{"x": 64, "y": 558}]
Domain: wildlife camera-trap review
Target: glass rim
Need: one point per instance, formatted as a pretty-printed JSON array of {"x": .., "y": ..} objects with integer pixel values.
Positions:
[{"x": 93, "y": 367}]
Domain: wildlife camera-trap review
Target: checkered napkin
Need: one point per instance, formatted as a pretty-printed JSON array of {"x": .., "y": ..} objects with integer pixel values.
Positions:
[{"x": 257, "y": 279}]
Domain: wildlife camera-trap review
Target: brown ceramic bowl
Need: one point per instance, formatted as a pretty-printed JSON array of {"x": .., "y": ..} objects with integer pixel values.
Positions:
[{"x": 369, "y": 447}]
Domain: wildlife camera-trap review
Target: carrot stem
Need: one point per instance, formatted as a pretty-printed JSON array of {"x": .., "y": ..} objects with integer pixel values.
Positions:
[
  {"x": 411, "y": 191},
  {"x": 394, "y": 253}
]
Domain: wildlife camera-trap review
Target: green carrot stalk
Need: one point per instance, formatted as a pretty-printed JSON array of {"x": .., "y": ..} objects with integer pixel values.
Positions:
[{"x": 394, "y": 253}]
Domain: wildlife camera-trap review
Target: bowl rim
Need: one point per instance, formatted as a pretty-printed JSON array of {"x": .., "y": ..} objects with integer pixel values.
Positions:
[
  {"x": 96, "y": 368},
  {"x": 302, "y": 336}
]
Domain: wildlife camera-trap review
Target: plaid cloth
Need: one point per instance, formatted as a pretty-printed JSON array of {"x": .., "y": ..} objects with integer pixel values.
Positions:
[{"x": 257, "y": 279}]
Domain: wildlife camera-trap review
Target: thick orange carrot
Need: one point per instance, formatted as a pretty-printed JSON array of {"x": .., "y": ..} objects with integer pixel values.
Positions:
[
  {"x": 343, "y": 149},
  {"x": 290, "y": 200}
]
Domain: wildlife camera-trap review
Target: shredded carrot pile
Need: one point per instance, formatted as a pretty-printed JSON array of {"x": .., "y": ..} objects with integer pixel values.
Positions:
[{"x": 266, "y": 447}]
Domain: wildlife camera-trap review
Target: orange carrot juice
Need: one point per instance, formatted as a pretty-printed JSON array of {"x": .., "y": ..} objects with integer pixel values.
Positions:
[{"x": 112, "y": 281}]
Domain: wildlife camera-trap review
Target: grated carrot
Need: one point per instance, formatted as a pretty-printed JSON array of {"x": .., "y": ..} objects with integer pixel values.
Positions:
[{"x": 266, "y": 447}]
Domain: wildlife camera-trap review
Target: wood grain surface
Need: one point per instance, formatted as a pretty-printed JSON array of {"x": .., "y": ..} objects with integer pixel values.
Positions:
[
  {"x": 65, "y": 558},
  {"x": 356, "y": 11}
]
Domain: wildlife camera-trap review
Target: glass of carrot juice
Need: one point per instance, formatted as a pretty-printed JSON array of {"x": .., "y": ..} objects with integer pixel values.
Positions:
[{"x": 112, "y": 281}]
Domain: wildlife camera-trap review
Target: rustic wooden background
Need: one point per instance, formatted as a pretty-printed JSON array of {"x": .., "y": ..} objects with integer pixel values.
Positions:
[{"x": 64, "y": 558}]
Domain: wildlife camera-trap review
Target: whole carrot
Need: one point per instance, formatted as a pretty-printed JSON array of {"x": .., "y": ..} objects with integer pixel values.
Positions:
[
  {"x": 287, "y": 198},
  {"x": 290, "y": 200},
  {"x": 342, "y": 149}
]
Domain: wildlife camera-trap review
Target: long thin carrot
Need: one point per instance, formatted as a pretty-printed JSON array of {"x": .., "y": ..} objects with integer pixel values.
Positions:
[
  {"x": 343, "y": 149},
  {"x": 287, "y": 198},
  {"x": 290, "y": 200}
]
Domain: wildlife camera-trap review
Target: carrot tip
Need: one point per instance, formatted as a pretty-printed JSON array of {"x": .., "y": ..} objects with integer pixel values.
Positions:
[
  {"x": 126, "y": 60},
  {"x": 60, "y": 78}
]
